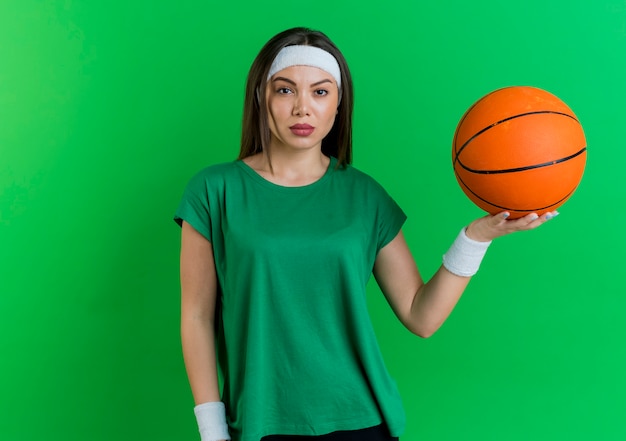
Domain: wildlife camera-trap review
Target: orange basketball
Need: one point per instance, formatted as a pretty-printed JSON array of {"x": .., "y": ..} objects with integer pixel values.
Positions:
[{"x": 519, "y": 149}]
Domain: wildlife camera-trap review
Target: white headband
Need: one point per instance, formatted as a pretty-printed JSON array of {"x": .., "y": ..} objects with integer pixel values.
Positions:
[{"x": 306, "y": 56}]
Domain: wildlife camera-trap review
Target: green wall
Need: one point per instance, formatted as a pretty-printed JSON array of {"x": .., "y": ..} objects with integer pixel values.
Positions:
[{"x": 108, "y": 107}]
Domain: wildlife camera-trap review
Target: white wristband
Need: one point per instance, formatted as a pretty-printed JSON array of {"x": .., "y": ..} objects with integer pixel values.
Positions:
[
  {"x": 211, "y": 419},
  {"x": 465, "y": 255}
]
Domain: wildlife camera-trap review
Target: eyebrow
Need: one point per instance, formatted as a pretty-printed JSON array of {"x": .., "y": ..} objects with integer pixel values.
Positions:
[{"x": 325, "y": 80}]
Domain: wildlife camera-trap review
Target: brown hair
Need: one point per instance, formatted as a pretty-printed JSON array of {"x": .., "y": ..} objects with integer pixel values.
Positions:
[{"x": 255, "y": 131}]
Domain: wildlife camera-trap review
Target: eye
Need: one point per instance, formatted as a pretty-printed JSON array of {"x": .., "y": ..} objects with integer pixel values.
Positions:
[
  {"x": 284, "y": 90},
  {"x": 321, "y": 92}
]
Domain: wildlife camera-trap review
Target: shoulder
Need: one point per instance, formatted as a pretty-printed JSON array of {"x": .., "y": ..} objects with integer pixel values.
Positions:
[
  {"x": 365, "y": 189},
  {"x": 221, "y": 169},
  {"x": 215, "y": 174},
  {"x": 359, "y": 178}
]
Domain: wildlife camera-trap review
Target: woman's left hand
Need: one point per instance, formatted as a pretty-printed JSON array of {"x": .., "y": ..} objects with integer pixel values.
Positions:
[{"x": 489, "y": 227}]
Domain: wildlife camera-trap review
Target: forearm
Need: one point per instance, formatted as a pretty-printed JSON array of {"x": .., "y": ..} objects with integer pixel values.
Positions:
[
  {"x": 435, "y": 300},
  {"x": 198, "y": 342}
]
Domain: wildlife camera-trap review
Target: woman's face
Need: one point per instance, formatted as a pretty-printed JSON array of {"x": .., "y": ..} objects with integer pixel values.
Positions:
[{"x": 302, "y": 104}]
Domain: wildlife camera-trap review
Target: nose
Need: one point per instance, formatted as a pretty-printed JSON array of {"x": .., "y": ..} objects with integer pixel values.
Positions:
[{"x": 301, "y": 105}]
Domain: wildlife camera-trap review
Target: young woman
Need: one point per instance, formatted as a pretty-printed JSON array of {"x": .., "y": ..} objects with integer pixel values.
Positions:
[{"x": 277, "y": 248}]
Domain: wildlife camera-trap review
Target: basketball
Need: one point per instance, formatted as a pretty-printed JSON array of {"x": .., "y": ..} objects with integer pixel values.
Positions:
[{"x": 519, "y": 149}]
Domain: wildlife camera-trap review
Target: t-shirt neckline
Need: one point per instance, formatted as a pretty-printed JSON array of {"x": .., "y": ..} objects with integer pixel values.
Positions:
[{"x": 261, "y": 180}]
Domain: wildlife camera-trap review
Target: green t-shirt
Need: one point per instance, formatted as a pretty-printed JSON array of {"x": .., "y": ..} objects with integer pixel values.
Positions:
[{"x": 296, "y": 347}]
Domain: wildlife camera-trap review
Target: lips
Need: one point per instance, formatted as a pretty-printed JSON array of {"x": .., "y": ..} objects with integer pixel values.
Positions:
[{"x": 301, "y": 129}]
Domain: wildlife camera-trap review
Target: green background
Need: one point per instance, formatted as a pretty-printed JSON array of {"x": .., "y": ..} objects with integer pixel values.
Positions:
[{"x": 107, "y": 108}]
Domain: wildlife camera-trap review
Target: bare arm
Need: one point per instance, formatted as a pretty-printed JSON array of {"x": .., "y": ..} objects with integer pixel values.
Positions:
[
  {"x": 423, "y": 307},
  {"x": 198, "y": 298}
]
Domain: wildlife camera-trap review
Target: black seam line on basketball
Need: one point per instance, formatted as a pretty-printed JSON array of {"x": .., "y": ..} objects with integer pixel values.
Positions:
[
  {"x": 529, "y": 210},
  {"x": 521, "y": 169},
  {"x": 480, "y": 132}
]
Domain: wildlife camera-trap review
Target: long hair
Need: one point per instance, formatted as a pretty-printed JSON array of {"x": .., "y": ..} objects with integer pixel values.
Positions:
[{"x": 255, "y": 131}]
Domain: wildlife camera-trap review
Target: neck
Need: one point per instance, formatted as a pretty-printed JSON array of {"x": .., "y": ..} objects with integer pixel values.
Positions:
[{"x": 290, "y": 169}]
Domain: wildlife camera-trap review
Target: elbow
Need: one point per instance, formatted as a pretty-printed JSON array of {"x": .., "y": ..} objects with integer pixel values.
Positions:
[
  {"x": 422, "y": 330},
  {"x": 425, "y": 333}
]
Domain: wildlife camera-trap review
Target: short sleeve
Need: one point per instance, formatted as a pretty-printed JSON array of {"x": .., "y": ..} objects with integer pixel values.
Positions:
[
  {"x": 390, "y": 219},
  {"x": 194, "y": 206}
]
